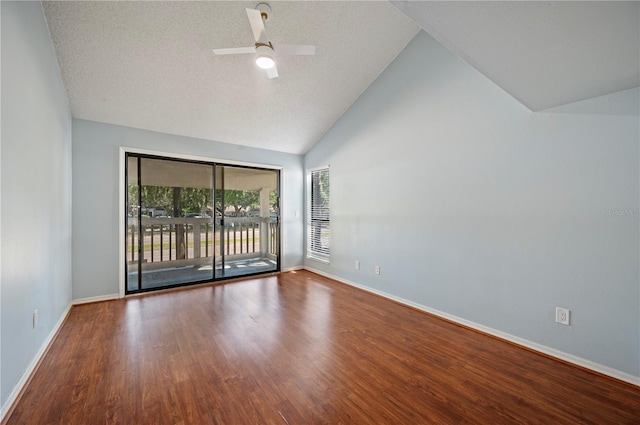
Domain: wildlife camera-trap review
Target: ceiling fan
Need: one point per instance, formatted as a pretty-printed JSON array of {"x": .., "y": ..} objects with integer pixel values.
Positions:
[{"x": 264, "y": 50}]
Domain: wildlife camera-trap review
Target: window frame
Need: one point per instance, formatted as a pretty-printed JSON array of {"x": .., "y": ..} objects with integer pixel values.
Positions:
[{"x": 317, "y": 220}]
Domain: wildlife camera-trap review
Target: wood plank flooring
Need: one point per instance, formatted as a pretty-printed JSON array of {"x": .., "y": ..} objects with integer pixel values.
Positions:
[{"x": 300, "y": 349}]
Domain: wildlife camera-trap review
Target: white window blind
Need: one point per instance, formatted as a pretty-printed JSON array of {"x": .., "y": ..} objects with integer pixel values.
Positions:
[{"x": 318, "y": 225}]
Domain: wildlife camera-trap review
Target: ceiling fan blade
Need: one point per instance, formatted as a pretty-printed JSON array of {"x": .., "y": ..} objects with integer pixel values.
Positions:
[
  {"x": 235, "y": 50},
  {"x": 272, "y": 72},
  {"x": 257, "y": 25},
  {"x": 294, "y": 49}
]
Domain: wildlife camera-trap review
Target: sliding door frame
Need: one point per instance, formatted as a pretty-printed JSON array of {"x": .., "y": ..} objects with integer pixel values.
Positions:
[{"x": 122, "y": 207}]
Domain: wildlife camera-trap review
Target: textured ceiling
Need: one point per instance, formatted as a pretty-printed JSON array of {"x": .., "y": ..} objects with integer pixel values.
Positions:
[
  {"x": 544, "y": 54},
  {"x": 149, "y": 65}
]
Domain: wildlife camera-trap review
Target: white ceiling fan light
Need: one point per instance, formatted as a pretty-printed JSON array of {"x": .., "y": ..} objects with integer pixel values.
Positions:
[
  {"x": 264, "y": 56},
  {"x": 265, "y": 51}
]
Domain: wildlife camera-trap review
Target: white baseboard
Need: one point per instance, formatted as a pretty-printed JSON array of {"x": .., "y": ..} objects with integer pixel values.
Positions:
[
  {"x": 293, "y": 269},
  {"x": 34, "y": 362},
  {"x": 95, "y": 299},
  {"x": 588, "y": 364}
]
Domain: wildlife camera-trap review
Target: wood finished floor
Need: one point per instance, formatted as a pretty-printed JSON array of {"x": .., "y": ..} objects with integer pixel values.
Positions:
[{"x": 300, "y": 349}]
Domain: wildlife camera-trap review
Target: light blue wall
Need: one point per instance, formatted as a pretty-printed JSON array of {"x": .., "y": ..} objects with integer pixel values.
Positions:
[
  {"x": 96, "y": 190},
  {"x": 36, "y": 191},
  {"x": 474, "y": 206}
]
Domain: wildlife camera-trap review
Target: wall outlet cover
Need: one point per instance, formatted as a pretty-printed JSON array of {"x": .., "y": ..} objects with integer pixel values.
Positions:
[{"x": 562, "y": 315}]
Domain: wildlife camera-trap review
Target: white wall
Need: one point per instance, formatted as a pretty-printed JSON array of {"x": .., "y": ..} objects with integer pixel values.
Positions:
[
  {"x": 476, "y": 207},
  {"x": 36, "y": 192},
  {"x": 96, "y": 191}
]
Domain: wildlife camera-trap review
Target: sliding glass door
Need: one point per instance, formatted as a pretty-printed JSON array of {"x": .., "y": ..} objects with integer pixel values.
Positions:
[
  {"x": 191, "y": 221},
  {"x": 247, "y": 209}
]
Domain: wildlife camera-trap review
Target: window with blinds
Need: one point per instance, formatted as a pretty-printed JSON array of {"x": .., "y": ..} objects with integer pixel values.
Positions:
[{"x": 318, "y": 225}]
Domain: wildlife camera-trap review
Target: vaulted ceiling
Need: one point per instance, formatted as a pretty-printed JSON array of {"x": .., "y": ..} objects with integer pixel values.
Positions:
[
  {"x": 543, "y": 53},
  {"x": 149, "y": 64}
]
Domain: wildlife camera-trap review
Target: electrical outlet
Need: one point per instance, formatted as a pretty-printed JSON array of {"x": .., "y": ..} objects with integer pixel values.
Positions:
[
  {"x": 35, "y": 319},
  {"x": 357, "y": 264},
  {"x": 562, "y": 315},
  {"x": 377, "y": 269}
]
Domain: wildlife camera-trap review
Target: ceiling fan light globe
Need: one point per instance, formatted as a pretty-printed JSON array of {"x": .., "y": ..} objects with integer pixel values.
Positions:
[
  {"x": 264, "y": 56},
  {"x": 265, "y": 62}
]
